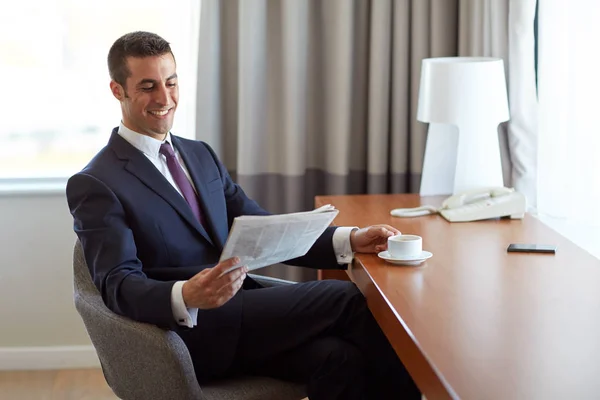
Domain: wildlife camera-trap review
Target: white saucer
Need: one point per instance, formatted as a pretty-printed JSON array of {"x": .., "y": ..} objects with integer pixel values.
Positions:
[{"x": 412, "y": 260}]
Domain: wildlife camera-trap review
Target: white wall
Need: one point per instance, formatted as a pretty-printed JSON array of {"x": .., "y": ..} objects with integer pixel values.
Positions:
[{"x": 37, "y": 314}]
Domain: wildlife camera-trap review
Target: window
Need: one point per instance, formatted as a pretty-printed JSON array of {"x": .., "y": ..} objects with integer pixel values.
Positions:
[
  {"x": 58, "y": 109},
  {"x": 569, "y": 138}
]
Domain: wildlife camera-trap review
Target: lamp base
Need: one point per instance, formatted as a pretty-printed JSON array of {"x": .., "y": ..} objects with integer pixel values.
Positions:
[
  {"x": 459, "y": 159},
  {"x": 439, "y": 163}
]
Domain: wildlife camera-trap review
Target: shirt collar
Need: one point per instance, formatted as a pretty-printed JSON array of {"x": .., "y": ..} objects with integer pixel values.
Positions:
[{"x": 144, "y": 143}]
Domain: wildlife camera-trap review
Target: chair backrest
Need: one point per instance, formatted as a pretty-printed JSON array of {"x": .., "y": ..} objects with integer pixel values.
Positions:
[{"x": 139, "y": 361}]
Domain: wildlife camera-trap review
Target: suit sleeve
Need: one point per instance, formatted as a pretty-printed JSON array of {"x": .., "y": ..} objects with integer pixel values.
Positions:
[
  {"x": 110, "y": 252},
  {"x": 321, "y": 255}
]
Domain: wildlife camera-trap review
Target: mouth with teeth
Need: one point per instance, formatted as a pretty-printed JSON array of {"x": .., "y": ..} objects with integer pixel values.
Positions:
[{"x": 159, "y": 113}]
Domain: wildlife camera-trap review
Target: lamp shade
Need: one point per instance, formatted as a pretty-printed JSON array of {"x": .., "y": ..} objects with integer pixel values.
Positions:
[
  {"x": 464, "y": 100},
  {"x": 454, "y": 89}
]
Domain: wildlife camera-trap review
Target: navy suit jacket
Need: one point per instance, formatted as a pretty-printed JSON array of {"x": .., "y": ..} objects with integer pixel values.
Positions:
[{"x": 139, "y": 235}]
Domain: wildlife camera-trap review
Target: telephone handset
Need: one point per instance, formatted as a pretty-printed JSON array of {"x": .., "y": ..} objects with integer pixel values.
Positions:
[
  {"x": 474, "y": 205},
  {"x": 472, "y": 196}
]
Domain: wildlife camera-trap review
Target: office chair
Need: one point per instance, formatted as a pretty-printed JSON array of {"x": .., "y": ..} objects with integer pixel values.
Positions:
[{"x": 142, "y": 361}]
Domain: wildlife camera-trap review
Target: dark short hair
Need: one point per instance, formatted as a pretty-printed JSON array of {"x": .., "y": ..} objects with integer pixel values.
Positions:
[{"x": 135, "y": 44}]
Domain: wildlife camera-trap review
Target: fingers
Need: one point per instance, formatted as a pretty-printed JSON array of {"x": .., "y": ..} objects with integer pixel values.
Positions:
[
  {"x": 219, "y": 269},
  {"x": 213, "y": 287},
  {"x": 381, "y": 247},
  {"x": 231, "y": 277},
  {"x": 384, "y": 231},
  {"x": 391, "y": 231},
  {"x": 231, "y": 288}
]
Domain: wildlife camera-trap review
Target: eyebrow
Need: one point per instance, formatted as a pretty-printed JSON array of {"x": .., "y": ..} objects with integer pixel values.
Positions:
[{"x": 153, "y": 81}]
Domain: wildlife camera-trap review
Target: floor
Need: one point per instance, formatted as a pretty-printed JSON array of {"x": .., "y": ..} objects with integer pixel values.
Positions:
[
  {"x": 68, "y": 384},
  {"x": 73, "y": 384}
]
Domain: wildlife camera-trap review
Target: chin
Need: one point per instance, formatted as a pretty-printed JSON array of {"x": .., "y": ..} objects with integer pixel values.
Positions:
[{"x": 163, "y": 130}]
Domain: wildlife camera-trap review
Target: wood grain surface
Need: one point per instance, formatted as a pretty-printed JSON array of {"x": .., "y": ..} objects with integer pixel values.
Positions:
[{"x": 476, "y": 322}]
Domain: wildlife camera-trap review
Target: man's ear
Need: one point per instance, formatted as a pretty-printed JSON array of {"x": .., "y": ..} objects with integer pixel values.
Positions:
[{"x": 117, "y": 90}]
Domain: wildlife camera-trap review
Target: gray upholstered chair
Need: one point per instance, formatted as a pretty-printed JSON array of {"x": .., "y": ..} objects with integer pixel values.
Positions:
[{"x": 142, "y": 361}]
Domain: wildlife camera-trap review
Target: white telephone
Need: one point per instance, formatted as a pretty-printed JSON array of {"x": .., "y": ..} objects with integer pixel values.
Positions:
[{"x": 474, "y": 205}]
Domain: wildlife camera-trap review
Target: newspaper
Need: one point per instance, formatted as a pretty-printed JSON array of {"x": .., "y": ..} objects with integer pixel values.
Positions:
[{"x": 261, "y": 240}]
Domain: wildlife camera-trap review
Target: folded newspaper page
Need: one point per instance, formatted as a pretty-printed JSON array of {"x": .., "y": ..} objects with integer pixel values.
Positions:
[{"x": 261, "y": 240}]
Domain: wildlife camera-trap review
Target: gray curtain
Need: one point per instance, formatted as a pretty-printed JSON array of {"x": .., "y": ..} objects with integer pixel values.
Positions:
[
  {"x": 308, "y": 97},
  {"x": 301, "y": 98},
  {"x": 505, "y": 29}
]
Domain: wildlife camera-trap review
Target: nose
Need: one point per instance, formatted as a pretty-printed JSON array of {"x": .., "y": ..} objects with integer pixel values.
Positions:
[{"x": 161, "y": 96}]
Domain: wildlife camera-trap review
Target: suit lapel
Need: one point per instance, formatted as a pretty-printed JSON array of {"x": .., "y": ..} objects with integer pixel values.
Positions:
[
  {"x": 145, "y": 171},
  {"x": 195, "y": 168}
]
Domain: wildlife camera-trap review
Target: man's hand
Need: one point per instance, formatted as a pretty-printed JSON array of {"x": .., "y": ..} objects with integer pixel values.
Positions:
[
  {"x": 372, "y": 239},
  {"x": 210, "y": 288}
]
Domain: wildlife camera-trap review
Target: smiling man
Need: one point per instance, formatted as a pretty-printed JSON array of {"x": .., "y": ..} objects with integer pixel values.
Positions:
[
  {"x": 146, "y": 86},
  {"x": 153, "y": 210}
]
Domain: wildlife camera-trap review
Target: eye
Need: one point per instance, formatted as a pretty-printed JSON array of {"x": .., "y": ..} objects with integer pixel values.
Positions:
[
  {"x": 172, "y": 84},
  {"x": 147, "y": 89}
]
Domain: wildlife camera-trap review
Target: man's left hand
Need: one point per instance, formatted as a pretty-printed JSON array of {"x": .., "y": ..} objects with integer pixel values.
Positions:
[{"x": 372, "y": 239}]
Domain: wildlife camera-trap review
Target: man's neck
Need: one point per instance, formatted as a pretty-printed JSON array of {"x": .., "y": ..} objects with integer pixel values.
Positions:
[{"x": 161, "y": 137}]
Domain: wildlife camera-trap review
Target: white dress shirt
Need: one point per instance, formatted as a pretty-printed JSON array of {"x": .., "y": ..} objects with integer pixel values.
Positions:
[{"x": 150, "y": 147}]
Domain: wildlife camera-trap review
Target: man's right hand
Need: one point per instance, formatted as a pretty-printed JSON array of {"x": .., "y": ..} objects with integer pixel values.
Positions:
[{"x": 211, "y": 288}]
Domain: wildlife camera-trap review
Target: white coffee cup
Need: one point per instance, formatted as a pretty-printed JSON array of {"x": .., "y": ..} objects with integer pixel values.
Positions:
[{"x": 405, "y": 246}]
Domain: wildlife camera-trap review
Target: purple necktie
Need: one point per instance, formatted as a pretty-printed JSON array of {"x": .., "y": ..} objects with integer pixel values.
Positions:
[{"x": 181, "y": 180}]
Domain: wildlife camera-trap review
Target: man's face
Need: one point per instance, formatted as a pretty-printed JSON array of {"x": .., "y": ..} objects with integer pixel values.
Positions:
[{"x": 149, "y": 100}]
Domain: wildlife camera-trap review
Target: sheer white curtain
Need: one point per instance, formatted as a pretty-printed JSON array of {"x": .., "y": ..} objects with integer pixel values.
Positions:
[
  {"x": 569, "y": 131},
  {"x": 505, "y": 29}
]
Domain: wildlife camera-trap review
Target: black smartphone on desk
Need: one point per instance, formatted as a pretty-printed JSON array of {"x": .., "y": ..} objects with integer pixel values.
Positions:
[{"x": 531, "y": 248}]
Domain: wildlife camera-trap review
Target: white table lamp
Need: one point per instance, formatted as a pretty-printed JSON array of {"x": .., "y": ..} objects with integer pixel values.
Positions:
[{"x": 463, "y": 99}]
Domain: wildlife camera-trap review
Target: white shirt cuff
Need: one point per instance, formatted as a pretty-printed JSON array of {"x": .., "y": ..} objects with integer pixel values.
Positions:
[
  {"x": 341, "y": 244},
  {"x": 183, "y": 315}
]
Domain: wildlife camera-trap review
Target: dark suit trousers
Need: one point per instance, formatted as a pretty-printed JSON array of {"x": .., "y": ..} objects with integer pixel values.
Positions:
[{"x": 322, "y": 334}]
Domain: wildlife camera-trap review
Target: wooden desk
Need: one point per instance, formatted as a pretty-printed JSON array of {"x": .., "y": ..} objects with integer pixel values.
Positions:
[{"x": 476, "y": 322}]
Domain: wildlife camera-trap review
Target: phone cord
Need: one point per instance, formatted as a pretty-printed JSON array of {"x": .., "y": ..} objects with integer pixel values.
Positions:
[{"x": 414, "y": 212}]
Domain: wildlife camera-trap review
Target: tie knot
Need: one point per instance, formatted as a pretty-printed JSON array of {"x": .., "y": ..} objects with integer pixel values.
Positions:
[{"x": 166, "y": 150}]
